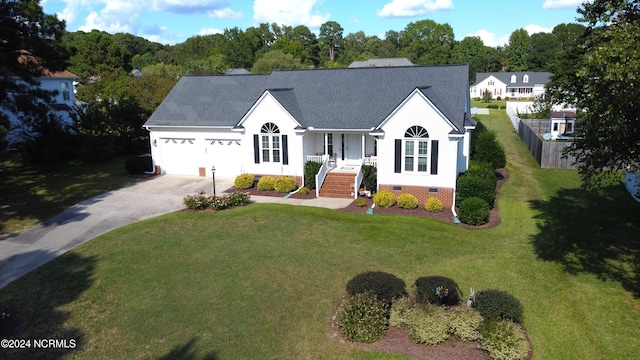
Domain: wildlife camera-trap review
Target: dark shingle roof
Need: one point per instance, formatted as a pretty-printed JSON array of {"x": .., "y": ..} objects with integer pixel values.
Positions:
[
  {"x": 357, "y": 98},
  {"x": 534, "y": 78}
]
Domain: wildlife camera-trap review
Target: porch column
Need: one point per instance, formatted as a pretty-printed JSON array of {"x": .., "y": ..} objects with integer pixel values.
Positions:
[
  {"x": 364, "y": 148},
  {"x": 326, "y": 144}
]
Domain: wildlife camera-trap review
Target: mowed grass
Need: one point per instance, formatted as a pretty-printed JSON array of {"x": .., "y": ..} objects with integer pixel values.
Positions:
[
  {"x": 32, "y": 194},
  {"x": 263, "y": 281}
]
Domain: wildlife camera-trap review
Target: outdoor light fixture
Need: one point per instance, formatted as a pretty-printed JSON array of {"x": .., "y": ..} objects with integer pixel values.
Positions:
[
  {"x": 155, "y": 142},
  {"x": 213, "y": 174}
]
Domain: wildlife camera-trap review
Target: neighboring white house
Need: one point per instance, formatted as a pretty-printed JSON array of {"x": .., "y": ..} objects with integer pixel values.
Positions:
[
  {"x": 510, "y": 84},
  {"x": 413, "y": 123},
  {"x": 59, "y": 82}
]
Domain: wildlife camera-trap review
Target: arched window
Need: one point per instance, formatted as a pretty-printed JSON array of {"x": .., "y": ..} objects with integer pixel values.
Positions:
[
  {"x": 270, "y": 144},
  {"x": 416, "y": 149}
]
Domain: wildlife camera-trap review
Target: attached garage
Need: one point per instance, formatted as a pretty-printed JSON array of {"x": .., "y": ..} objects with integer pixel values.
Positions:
[{"x": 179, "y": 156}]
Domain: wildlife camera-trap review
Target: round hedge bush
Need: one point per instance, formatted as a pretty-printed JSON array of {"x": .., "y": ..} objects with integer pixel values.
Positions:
[
  {"x": 384, "y": 199},
  {"x": 438, "y": 290},
  {"x": 496, "y": 304},
  {"x": 266, "y": 183},
  {"x": 361, "y": 202},
  {"x": 363, "y": 318},
  {"x": 481, "y": 169},
  {"x": 243, "y": 181},
  {"x": 474, "y": 211},
  {"x": 304, "y": 191},
  {"x": 407, "y": 201},
  {"x": 433, "y": 205},
  {"x": 384, "y": 285},
  {"x": 285, "y": 184}
]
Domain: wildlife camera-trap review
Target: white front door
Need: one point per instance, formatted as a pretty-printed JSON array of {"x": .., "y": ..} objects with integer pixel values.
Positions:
[{"x": 353, "y": 151}]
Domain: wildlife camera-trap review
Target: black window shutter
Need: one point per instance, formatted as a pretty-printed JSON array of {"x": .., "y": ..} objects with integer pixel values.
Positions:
[
  {"x": 434, "y": 157},
  {"x": 256, "y": 148},
  {"x": 398, "y": 156},
  {"x": 285, "y": 150}
]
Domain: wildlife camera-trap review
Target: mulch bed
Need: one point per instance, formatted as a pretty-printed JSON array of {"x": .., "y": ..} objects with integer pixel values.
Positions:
[{"x": 446, "y": 214}]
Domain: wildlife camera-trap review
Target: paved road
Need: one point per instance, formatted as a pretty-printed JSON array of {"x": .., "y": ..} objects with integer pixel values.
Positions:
[{"x": 24, "y": 252}]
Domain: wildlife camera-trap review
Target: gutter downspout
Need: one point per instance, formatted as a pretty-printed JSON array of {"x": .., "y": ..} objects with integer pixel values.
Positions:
[{"x": 453, "y": 209}]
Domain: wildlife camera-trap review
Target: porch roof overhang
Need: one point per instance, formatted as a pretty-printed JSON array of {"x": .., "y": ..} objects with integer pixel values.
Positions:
[
  {"x": 354, "y": 131},
  {"x": 148, "y": 127}
]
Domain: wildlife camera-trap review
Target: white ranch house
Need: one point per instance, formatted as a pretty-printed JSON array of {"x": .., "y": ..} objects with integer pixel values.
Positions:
[
  {"x": 514, "y": 85},
  {"x": 413, "y": 123}
]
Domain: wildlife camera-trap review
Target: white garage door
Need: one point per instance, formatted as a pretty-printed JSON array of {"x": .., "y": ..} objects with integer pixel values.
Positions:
[
  {"x": 180, "y": 156},
  {"x": 225, "y": 155}
]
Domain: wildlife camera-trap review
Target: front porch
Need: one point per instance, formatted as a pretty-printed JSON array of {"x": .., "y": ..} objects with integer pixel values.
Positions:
[{"x": 339, "y": 181}]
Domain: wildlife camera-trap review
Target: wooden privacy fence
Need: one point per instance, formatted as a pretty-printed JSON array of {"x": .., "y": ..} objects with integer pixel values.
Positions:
[{"x": 548, "y": 154}]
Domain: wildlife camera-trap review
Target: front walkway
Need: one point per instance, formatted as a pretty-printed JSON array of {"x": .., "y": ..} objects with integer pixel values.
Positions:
[{"x": 24, "y": 252}]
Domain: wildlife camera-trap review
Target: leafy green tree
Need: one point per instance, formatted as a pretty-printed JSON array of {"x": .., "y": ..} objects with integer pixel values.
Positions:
[
  {"x": 214, "y": 64},
  {"x": 275, "y": 60},
  {"x": 27, "y": 31},
  {"x": 544, "y": 52},
  {"x": 426, "y": 42},
  {"x": 331, "y": 38},
  {"x": 299, "y": 42},
  {"x": 518, "y": 50},
  {"x": 471, "y": 50},
  {"x": 95, "y": 52},
  {"x": 604, "y": 85}
]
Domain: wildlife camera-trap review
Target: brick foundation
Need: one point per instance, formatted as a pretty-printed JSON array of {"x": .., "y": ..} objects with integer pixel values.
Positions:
[{"x": 423, "y": 193}]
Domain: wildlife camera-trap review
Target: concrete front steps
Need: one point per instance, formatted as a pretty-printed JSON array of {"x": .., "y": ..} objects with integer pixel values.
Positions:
[{"x": 338, "y": 185}]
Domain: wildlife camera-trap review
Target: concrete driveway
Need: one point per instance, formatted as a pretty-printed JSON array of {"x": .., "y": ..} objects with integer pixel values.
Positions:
[{"x": 24, "y": 252}]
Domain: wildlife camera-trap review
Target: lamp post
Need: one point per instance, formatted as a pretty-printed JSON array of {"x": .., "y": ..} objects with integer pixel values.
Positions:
[{"x": 213, "y": 174}]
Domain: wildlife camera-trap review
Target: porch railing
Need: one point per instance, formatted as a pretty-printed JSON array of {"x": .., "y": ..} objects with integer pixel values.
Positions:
[
  {"x": 322, "y": 173},
  {"x": 370, "y": 160}
]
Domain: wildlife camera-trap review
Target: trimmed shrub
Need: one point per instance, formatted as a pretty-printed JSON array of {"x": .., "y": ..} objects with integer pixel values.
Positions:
[
  {"x": 384, "y": 285},
  {"x": 465, "y": 324},
  {"x": 504, "y": 340},
  {"x": 474, "y": 211},
  {"x": 433, "y": 205},
  {"x": 311, "y": 168},
  {"x": 474, "y": 186},
  {"x": 285, "y": 184},
  {"x": 481, "y": 169},
  {"x": 429, "y": 325},
  {"x": 363, "y": 318},
  {"x": 384, "y": 199},
  {"x": 407, "y": 201},
  {"x": 243, "y": 181},
  {"x": 401, "y": 311},
  {"x": 498, "y": 305},
  {"x": 361, "y": 202},
  {"x": 304, "y": 191},
  {"x": 370, "y": 177},
  {"x": 266, "y": 183},
  {"x": 487, "y": 148},
  {"x": 438, "y": 290}
]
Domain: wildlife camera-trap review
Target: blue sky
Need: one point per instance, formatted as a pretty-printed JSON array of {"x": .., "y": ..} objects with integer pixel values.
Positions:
[{"x": 173, "y": 21}]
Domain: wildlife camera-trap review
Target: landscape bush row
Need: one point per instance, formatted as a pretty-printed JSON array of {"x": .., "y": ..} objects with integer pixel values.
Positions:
[
  {"x": 433, "y": 313},
  {"x": 283, "y": 184},
  {"x": 476, "y": 188},
  {"x": 201, "y": 201},
  {"x": 386, "y": 199}
]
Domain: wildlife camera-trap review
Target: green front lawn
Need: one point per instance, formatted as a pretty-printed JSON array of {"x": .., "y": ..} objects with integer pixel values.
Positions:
[
  {"x": 263, "y": 281},
  {"x": 30, "y": 194}
]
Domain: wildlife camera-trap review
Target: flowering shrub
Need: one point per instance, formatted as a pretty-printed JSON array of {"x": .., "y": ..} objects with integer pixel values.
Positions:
[{"x": 202, "y": 202}]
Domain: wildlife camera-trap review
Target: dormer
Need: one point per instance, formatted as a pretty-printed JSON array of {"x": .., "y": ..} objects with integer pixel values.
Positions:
[
  {"x": 525, "y": 78},
  {"x": 513, "y": 78}
]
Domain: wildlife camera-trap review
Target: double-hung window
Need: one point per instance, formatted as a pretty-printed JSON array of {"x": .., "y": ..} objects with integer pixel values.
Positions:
[
  {"x": 416, "y": 149},
  {"x": 270, "y": 144}
]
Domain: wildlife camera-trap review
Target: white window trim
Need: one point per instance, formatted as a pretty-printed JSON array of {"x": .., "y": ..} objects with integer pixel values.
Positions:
[
  {"x": 273, "y": 137},
  {"x": 416, "y": 146}
]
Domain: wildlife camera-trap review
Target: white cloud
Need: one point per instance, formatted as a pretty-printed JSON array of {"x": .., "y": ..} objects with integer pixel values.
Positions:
[
  {"x": 290, "y": 12},
  {"x": 491, "y": 39},
  {"x": 209, "y": 31},
  {"x": 412, "y": 8},
  {"x": 116, "y": 16},
  {"x": 74, "y": 7},
  {"x": 562, "y": 4},
  {"x": 225, "y": 13},
  {"x": 533, "y": 28}
]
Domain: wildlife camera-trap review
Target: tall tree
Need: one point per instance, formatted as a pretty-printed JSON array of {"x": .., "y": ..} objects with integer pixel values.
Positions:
[
  {"x": 331, "y": 38},
  {"x": 471, "y": 50},
  {"x": 543, "y": 53},
  {"x": 275, "y": 60},
  {"x": 95, "y": 52},
  {"x": 426, "y": 42},
  {"x": 518, "y": 50},
  {"x": 28, "y": 34},
  {"x": 603, "y": 84}
]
